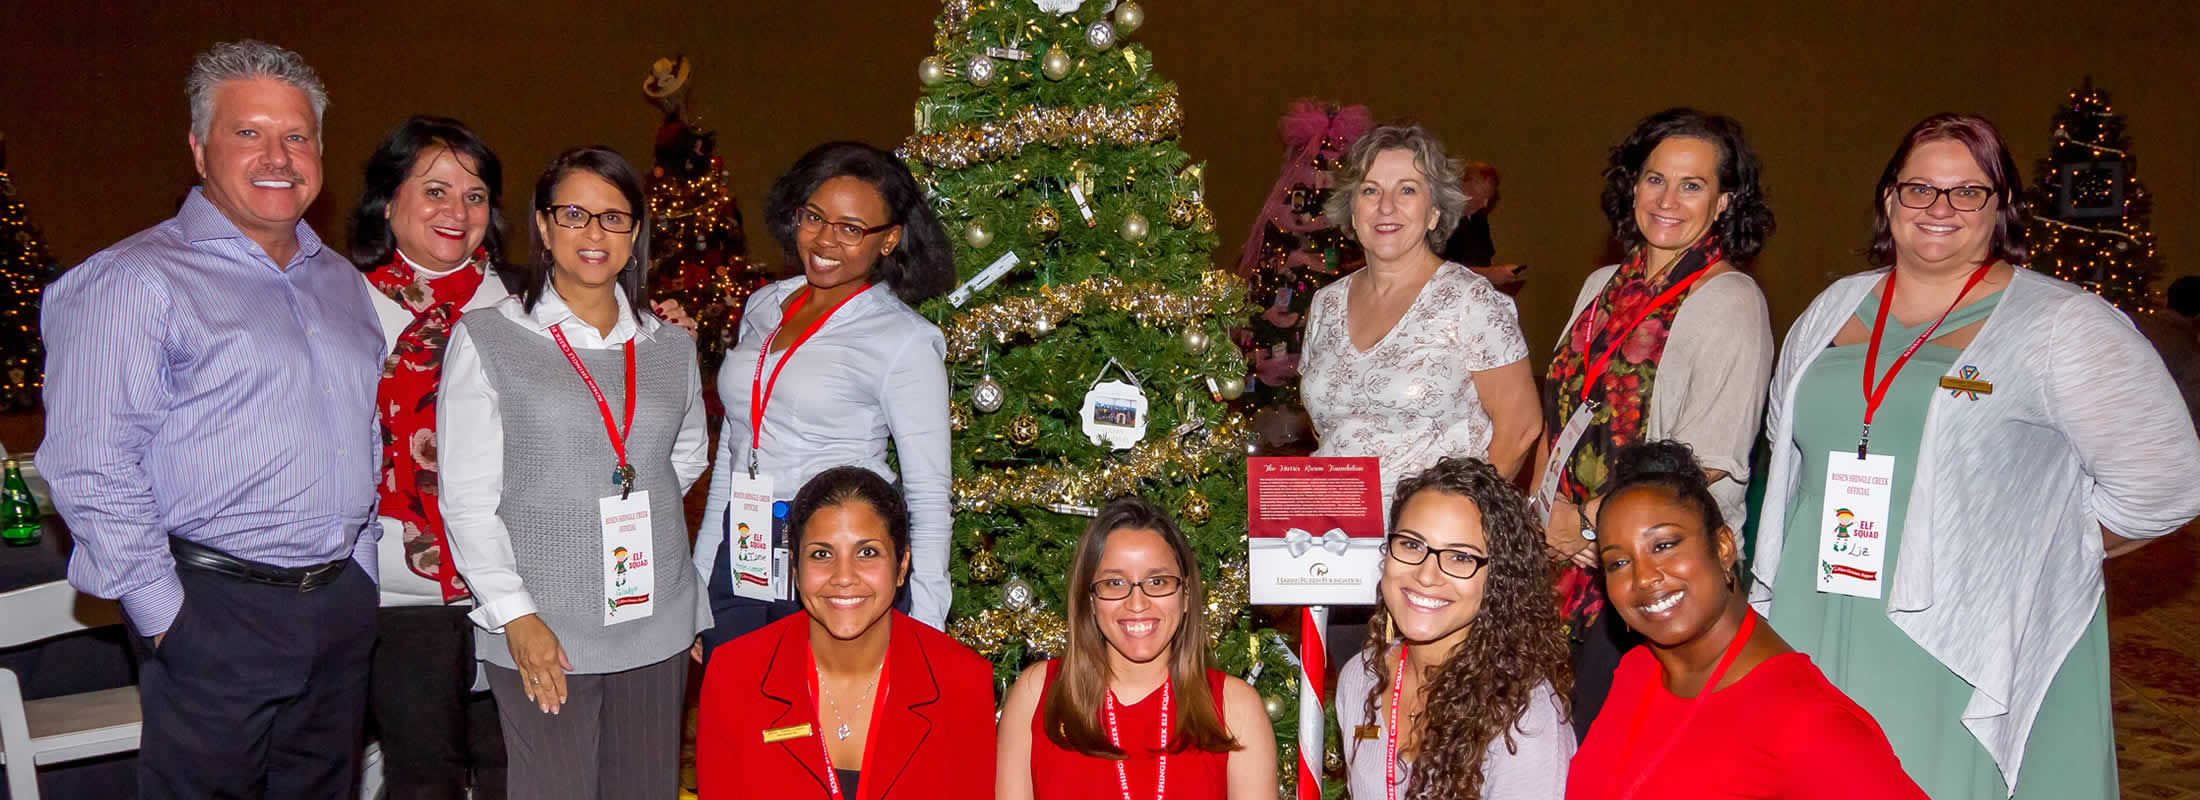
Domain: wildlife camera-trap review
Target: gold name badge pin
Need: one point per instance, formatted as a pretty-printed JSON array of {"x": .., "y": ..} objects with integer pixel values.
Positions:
[
  {"x": 1964, "y": 385},
  {"x": 789, "y": 732},
  {"x": 1366, "y": 732}
]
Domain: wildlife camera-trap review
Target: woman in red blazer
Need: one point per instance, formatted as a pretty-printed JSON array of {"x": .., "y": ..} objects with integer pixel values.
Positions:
[{"x": 852, "y": 700}]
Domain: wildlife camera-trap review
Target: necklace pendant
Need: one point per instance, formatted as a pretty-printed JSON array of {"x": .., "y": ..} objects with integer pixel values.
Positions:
[{"x": 843, "y": 732}]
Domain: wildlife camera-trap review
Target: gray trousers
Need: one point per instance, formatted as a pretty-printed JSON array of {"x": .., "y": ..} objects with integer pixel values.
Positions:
[{"x": 617, "y": 737}]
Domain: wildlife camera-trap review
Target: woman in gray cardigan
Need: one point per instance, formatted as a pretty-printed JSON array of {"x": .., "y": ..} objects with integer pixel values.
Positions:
[{"x": 571, "y": 424}]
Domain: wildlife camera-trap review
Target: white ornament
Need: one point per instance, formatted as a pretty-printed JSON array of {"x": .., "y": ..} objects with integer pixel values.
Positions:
[
  {"x": 1059, "y": 7},
  {"x": 1018, "y": 595},
  {"x": 1115, "y": 412},
  {"x": 980, "y": 70},
  {"x": 988, "y": 395}
]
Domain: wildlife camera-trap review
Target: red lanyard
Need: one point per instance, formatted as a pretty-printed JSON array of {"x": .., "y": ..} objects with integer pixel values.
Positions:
[
  {"x": 1872, "y": 396},
  {"x": 760, "y": 392},
  {"x": 1115, "y": 737},
  {"x": 1390, "y": 729},
  {"x": 1673, "y": 734},
  {"x": 623, "y": 475},
  {"x": 1595, "y": 368},
  {"x": 870, "y": 737}
]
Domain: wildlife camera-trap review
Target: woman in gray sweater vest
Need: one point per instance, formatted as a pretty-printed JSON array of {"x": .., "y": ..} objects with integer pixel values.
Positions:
[{"x": 561, "y": 495}]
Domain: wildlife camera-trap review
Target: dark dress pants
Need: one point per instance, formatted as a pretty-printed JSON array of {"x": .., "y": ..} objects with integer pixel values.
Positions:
[
  {"x": 257, "y": 691},
  {"x": 438, "y": 735}
]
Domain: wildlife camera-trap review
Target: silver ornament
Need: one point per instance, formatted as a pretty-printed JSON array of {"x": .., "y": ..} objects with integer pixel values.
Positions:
[
  {"x": 1018, "y": 595},
  {"x": 976, "y": 234},
  {"x": 1055, "y": 64},
  {"x": 1195, "y": 340},
  {"x": 931, "y": 71},
  {"x": 1231, "y": 388},
  {"x": 1129, "y": 16},
  {"x": 988, "y": 395},
  {"x": 1100, "y": 35},
  {"x": 980, "y": 70},
  {"x": 1134, "y": 227}
]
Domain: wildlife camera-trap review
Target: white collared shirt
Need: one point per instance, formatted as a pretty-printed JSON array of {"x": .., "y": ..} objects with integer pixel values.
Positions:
[
  {"x": 470, "y": 439},
  {"x": 874, "y": 373}
]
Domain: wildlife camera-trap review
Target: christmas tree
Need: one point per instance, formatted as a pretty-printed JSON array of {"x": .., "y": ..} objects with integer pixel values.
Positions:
[
  {"x": 1295, "y": 249},
  {"x": 2089, "y": 210},
  {"x": 1086, "y": 339},
  {"x": 25, "y": 267},
  {"x": 699, "y": 253}
]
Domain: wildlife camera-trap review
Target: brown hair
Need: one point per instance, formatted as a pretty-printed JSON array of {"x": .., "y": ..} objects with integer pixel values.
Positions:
[
  {"x": 1979, "y": 135},
  {"x": 1513, "y": 644},
  {"x": 1071, "y": 711}
]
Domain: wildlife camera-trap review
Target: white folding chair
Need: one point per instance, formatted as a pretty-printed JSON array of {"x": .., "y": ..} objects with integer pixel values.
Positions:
[{"x": 58, "y": 729}]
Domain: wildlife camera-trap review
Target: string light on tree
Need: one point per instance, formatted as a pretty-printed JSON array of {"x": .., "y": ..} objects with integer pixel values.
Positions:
[
  {"x": 2090, "y": 212},
  {"x": 25, "y": 268}
]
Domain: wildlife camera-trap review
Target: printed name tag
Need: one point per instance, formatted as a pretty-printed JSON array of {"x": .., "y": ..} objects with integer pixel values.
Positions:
[
  {"x": 756, "y": 571},
  {"x": 789, "y": 732},
  {"x": 1852, "y": 539},
  {"x": 629, "y": 569}
]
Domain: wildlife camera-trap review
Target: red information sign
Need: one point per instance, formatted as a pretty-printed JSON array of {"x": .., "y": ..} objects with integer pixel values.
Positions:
[{"x": 1315, "y": 530}]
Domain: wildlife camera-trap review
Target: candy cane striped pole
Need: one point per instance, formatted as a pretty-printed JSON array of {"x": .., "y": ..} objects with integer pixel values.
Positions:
[{"x": 1313, "y": 666}]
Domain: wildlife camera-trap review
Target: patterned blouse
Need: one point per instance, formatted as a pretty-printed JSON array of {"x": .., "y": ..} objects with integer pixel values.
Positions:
[{"x": 1410, "y": 399}]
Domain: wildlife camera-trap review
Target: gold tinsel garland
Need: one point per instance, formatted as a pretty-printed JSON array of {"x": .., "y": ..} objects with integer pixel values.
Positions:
[
  {"x": 991, "y": 631},
  {"x": 964, "y": 145},
  {"x": 1220, "y": 294},
  {"x": 1048, "y": 485}
]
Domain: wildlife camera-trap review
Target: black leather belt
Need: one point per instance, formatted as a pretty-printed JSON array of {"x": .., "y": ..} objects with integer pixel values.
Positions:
[{"x": 207, "y": 559}]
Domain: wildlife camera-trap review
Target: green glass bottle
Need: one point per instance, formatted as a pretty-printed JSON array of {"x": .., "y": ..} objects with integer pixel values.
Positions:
[{"x": 20, "y": 523}]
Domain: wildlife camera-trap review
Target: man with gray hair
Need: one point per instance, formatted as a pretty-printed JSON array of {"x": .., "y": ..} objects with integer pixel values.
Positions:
[{"x": 212, "y": 443}]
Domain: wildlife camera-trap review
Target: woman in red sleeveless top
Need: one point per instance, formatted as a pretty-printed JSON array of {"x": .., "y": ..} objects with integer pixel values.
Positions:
[{"x": 1134, "y": 710}]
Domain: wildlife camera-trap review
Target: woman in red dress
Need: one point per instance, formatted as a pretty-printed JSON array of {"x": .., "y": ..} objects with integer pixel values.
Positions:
[
  {"x": 1134, "y": 709},
  {"x": 1715, "y": 705},
  {"x": 851, "y": 700}
]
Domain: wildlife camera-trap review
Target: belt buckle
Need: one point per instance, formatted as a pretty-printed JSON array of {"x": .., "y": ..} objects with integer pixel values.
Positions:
[{"x": 305, "y": 584}]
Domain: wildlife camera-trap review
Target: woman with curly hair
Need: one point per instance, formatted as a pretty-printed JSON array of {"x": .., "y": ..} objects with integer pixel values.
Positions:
[
  {"x": 1715, "y": 704},
  {"x": 1465, "y": 648},
  {"x": 1672, "y": 343}
]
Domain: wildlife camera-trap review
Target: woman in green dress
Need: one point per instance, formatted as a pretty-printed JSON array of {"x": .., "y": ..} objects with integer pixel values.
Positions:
[{"x": 1958, "y": 442}]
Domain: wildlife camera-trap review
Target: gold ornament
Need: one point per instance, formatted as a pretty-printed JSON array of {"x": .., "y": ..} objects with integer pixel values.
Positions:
[
  {"x": 1206, "y": 221},
  {"x": 1134, "y": 227},
  {"x": 1129, "y": 16},
  {"x": 959, "y": 147},
  {"x": 1231, "y": 388},
  {"x": 1055, "y": 64},
  {"x": 1195, "y": 340},
  {"x": 1024, "y": 430},
  {"x": 1046, "y": 222},
  {"x": 1196, "y": 508},
  {"x": 931, "y": 71},
  {"x": 976, "y": 234},
  {"x": 984, "y": 567},
  {"x": 1219, "y": 294},
  {"x": 1182, "y": 212},
  {"x": 1332, "y": 759},
  {"x": 1274, "y": 706},
  {"x": 958, "y": 418}
]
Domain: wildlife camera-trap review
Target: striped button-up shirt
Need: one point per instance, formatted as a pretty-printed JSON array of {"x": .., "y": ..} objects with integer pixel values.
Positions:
[{"x": 195, "y": 388}]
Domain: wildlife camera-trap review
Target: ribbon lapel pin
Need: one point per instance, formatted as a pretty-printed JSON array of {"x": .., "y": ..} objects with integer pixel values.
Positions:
[{"x": 1966, "y": 386}]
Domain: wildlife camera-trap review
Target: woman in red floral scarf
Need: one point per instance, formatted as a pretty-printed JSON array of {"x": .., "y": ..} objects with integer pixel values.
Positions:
[
  {"x": 427, "y": 235},
  {"x": 1672, "y": 343}
]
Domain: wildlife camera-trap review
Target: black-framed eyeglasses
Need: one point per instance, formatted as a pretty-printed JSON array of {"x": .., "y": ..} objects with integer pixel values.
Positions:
[
  {"x": 808, "y": 221},
  {"x": 577, "y": 218},
  {"x": 1461, "y": 564},
  {"x": 1120, "y": 588},
  {"x": 1961, "y": 198}
]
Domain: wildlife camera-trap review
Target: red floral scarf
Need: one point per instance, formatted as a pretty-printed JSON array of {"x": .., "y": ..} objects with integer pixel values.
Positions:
[
  {"x": 1623, "y": 388},
  {"x": 406, "y": 402}
]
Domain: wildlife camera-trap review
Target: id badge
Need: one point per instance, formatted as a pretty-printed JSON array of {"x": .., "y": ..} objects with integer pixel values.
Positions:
[
  {"x": 1852, "y": 528},
  {"x": 629, "y": 571},
  {"x": 750, "y": 540},
  {"x": 1562, "y": 451}
]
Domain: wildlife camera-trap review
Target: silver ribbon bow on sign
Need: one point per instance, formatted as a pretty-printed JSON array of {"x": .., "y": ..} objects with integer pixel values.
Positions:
[{"x": 1299, "y": 541}]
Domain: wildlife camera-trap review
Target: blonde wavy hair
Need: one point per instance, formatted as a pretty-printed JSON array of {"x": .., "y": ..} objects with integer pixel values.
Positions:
[{"x": 1441, "y": 172}]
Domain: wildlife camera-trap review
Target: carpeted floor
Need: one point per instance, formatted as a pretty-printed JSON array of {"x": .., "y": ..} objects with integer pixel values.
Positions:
[{"x": 2154, "y": 655}]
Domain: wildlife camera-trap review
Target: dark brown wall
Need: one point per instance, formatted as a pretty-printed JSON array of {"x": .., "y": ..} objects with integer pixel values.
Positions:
[{"x": 91, "y": 100}]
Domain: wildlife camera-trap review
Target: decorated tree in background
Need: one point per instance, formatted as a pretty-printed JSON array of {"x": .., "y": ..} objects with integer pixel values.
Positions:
[
  {"x": 699, "y": 250},
  {"x": 1086, "y": 341},
  {"x": 2089, "y": 210},
  {"x": 25, "y": 267},
  {"x": 1294, "y": 248}
]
